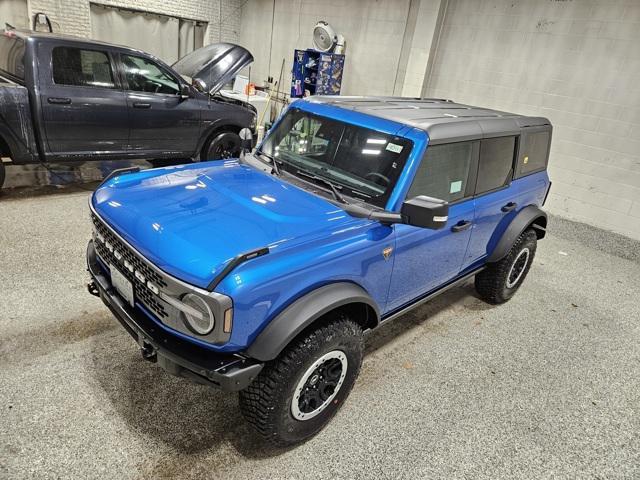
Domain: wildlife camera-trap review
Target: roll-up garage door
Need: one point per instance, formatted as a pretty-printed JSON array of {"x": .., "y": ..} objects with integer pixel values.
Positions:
[{"x": 168, "y": 38}]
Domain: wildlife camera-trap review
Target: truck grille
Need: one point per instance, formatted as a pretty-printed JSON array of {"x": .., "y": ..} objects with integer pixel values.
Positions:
[{"x": 140, "y": 290}]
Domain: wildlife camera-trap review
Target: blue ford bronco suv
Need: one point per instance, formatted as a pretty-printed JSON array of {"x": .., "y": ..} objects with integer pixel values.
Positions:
[{"x": 261, "y": 274}]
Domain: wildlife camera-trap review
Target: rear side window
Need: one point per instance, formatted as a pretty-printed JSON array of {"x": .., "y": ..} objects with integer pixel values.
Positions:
[
  {"x": 495, "y": 167},
  {"x": 81, "y": 68},
  {"x": 12, "y": 56},
  {"x": 444, "y": 171},
  {"x": 534, "y": 153}
]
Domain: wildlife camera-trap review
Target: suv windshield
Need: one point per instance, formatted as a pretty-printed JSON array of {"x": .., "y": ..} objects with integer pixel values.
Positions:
[{"x": 361, "y": 162}]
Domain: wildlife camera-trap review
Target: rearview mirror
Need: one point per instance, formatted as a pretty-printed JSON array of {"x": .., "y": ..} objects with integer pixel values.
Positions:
[
  {"x": 425, "y": 212},
  {"x": 185, "y": 91}
]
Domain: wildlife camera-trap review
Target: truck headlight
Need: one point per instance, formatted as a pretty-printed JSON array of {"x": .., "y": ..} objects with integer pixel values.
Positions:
[{"x": 198, "y": 318}]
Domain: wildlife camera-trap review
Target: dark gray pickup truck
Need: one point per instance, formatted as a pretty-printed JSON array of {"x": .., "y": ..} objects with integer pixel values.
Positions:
[{"x": 66, "y": 99}]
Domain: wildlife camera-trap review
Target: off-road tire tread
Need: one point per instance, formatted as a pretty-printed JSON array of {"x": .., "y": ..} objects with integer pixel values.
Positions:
[
  {"x": 255, "y": 400},
  {"x": 490, "y": 283}
]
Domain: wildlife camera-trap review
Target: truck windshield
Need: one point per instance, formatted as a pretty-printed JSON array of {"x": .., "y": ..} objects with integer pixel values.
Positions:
[
  {"x": 362, "y": 163},
  {"x": 11, "y": 56}
]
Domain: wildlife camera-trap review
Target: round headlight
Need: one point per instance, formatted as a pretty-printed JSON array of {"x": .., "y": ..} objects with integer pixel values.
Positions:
[{"x": 201, "y": 321}]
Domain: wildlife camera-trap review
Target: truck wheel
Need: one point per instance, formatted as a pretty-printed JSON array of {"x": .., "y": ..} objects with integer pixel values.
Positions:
[
  {"x": 2, "y": 173},
  {"x": 223, "y": 145},
  {"x": 500, "y": 280},
  {"x": 297, "y": 394}
]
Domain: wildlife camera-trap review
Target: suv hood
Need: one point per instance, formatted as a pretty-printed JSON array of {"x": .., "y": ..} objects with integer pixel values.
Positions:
[
  {"x": 191, "y": 220},
  {"x": 214, "y": 64}
]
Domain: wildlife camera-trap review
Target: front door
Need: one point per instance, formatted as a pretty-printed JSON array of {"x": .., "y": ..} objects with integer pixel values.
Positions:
[
  {"x": 84, "y": 110},
  {"x": 162, "y": 123},
  {"x": 425, "y": 259}
]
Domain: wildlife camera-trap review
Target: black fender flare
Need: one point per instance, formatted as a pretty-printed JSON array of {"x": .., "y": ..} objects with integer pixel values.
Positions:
[
  {"x": 530, "y": 215},
  {"x": 303, "y": 312}
]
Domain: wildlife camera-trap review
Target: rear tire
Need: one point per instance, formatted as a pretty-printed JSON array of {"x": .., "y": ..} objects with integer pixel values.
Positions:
[
  {"x": 296, "y": 395},
  {"x": 500, "y": 280},
  {"x": 222, "y": 145},
  {"x": 2, "y": 173}
]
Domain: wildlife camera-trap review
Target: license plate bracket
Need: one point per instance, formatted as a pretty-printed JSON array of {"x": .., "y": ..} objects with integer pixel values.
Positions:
[{"x": 123, "y": 286}]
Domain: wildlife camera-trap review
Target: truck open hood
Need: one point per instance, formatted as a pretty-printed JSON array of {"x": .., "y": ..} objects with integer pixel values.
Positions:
[
  {"x": 214, "y": 64},
  {"x": 191, "y": 220}
]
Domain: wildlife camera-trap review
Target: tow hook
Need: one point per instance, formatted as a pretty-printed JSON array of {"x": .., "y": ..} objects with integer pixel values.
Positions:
[
  {"x": 148, "y": 352},
  {"x": 92, "y": 288}
]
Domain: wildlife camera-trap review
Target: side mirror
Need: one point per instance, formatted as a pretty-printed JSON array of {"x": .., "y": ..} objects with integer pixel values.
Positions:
[
  {"x": 185, "y": 91},
  {"x": 199, "y": 85},
  {"x": 425, "y": 212},
  {"x": 246, "y": 139}
]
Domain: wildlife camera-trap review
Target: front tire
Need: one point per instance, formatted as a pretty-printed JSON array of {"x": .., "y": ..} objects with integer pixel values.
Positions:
[
  {"x": 500, "y": 280},
  {"x": 298, "y": 393},
  {"x": 2, "y": 173},
  {"x": 222, "y": 145}
]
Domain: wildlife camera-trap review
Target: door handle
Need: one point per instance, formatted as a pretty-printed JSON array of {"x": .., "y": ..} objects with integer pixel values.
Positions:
[
  {"x": 461, "y": 226},
  {"x": 59, "y": 100},
  {"x": 141, "y": 105},
  {"x": 509, "y": 207}
]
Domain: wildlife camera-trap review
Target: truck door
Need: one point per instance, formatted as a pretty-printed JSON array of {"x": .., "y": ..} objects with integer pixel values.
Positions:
[
  {"x": 425, "y": 259},
  {"x": 84, "y": 110},
  {"x": 162, "y": 123},
  {"x": 496, "y": 197}
]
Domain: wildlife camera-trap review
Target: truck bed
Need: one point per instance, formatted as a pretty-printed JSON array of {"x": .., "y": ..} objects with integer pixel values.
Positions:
[{"x": 15, "y": 119}]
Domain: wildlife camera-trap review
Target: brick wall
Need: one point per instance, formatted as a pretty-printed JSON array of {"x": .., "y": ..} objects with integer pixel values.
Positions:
[
  {"x": 576, "y": 62},
  {"x": 73, "y": 16}
]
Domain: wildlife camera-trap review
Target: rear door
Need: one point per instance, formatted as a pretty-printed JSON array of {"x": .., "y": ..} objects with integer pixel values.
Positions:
[
  {"x": 425, "y": 259},
  {"x": 84, "y": 109},
  {"x": 496, "y": 198},
  {"x": 162, "y": 123}
]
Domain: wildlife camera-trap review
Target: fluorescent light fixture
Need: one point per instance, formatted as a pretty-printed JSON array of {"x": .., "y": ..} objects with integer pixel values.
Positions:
[
  {"x": 259, "y": 200},
  {"x": 368, "y": 151},
  {"x": 376, "y": 141}
]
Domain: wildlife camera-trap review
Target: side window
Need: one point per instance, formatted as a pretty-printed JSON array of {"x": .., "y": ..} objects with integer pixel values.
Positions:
[
  {"x": 81, "y": 68},
  {"x": 534, "y": 153},
  {"x": 444, "y": 171},
  {"x": 496, "y": 163},
  {"x": 146, "y": 76}
]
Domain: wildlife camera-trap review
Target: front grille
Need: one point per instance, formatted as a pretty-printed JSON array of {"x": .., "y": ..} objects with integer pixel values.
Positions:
[{"x": 140, "y": 290}]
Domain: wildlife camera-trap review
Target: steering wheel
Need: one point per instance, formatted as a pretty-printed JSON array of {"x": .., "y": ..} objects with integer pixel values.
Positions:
[{"x": 384, "y": 178}]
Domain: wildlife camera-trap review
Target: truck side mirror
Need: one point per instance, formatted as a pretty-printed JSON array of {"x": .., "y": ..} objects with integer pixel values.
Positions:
[
  {"x": 199, "y": 85},
  {"x": 425, "y": 212},
  {"x": 246, "y": 139},
  {"x": 185, "y": 91}
]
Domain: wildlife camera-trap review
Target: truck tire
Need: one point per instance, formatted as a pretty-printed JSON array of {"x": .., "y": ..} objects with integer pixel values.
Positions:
[
  {"x": 222, "y": 145},
  {"x": 500, "y": 280},
  {"x": 297, "y": 394},
  {"x": 2, "y": 173}
]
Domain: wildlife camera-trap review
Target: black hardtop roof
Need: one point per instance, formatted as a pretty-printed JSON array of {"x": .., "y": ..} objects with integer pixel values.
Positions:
[{"x": 443, "y": 120}]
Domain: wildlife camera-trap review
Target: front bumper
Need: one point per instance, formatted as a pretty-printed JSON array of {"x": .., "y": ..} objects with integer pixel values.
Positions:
[{"x": 177, "y": 356}]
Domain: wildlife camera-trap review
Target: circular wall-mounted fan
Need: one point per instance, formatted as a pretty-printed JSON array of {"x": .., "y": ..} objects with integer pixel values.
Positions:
[{"x": 324, "y": 37}]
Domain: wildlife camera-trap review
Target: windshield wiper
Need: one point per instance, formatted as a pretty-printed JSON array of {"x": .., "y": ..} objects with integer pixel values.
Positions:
[
  {"x": 275, "y": 168},
  {"x": 328, "y": 183}
]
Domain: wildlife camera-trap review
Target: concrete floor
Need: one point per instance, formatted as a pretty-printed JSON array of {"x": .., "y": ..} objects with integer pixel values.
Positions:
[{"x": 547, "y": 385}]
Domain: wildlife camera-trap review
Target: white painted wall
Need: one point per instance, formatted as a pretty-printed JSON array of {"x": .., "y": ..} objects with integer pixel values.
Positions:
[
  {"x": 73, "y": 16},
  {"x": 575, "y": 62},
  {"x": 420, "y": 47},
  {"x": 374, "y": 32}
]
